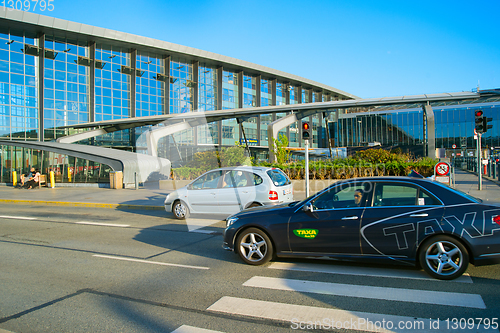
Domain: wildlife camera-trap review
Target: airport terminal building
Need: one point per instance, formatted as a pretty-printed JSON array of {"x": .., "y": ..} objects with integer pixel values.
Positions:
[{"x": 61, "y": 79}]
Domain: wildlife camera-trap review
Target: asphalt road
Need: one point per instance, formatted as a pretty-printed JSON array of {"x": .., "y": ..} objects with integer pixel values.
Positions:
[{"x": 76, "y": 269}]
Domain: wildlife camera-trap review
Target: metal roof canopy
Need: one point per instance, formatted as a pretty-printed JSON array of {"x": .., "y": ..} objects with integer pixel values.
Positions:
[{"x": 148, "y": 168}]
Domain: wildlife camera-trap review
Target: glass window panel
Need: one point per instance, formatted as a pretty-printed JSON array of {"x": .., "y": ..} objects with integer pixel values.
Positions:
[
  {"x": 17, "y": 79},
  {"x": 4, "y": 77},
  {"x": 17, "y": 57}
]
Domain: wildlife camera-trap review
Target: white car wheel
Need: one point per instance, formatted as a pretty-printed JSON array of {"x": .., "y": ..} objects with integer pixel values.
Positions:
[{"x": 180, "y": 210}]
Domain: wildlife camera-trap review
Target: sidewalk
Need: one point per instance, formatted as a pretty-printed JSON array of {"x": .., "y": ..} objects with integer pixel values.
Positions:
[
  {"x": 142, "y": 198},
  {"x": 153, "y": 197},
  {"x": 468, "y": 182}
]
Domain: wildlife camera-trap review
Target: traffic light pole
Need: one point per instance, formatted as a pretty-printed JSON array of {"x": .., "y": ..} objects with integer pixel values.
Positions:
[
  {"x": 307, "y": 167},
  {"x": 479, "y": 164}
]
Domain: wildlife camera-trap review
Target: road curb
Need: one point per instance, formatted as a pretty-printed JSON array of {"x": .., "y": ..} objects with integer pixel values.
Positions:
[{"x": 81, "y": 204}]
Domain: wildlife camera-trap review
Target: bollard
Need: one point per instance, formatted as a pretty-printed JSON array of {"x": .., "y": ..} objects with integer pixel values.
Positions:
[
  {"x": 69, "y": 174},
  {"x": 52, "y": 179},
  {"x": 14, "y": 178},
  {"x": 136, "y": 181}
]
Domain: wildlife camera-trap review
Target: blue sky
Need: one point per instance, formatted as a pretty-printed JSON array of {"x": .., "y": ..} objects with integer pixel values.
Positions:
[{"x": 367, "y": 48}]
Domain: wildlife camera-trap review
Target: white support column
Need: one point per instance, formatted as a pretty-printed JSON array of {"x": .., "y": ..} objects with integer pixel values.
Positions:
[
  {"x": 153, "y": 136},
  {"x": 273, "y": 129}
]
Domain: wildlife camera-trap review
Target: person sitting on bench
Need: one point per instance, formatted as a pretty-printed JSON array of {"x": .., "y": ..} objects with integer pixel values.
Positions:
[
  {"x": 34, "y": 180},
  {"x": 24, "y": 178}
]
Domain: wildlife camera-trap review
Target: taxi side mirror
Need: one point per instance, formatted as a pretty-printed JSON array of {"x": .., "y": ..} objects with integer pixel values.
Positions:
[{"x": 308, "y": 207}]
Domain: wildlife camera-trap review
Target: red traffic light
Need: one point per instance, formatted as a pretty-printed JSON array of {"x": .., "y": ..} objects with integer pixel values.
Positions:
[
  {"x": 306, "y": 131},
  {"x": 479, "y": 113}
]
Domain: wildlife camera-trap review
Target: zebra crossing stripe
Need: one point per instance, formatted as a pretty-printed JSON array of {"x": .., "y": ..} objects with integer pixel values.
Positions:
[
  {"x": 303, "y": 317},
  {"x": 364, "y": 271},
  {"x": 383, "y": 293},
  {"x": 192, "y": 329}
]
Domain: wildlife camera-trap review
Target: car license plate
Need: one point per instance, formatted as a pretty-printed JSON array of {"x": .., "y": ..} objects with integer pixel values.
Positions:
[{"x": 288, "y": 191}]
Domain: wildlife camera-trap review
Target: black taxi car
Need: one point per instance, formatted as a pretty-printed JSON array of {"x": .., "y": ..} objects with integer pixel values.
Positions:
[{"x": 385, "y": 219}]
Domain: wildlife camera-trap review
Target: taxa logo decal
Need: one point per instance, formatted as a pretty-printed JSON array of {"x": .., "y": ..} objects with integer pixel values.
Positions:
[
  {"x": 471, "y": 225},
  {"x": 306, "y": 233}
]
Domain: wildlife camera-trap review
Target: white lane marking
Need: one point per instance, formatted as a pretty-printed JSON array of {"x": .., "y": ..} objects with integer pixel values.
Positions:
[
  {"x": 192, "y": 329},
  {"x": 149, "y": 262},
  {"x": 103, "y": 224},
  {"x": 383, "y": 293},
  {"x": 303, "y": 315},
  {"x": 81, "y": 222},
  {"x": 17, "y": 217},
  {"x": 364, "y": 271}
]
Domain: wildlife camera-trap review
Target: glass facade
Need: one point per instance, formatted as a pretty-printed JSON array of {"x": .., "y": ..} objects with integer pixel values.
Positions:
[
  {"x": 306, "y": 97},
  {"x": 454, "y": 125},
  {"x": 266, "y": 99},
  {"x": 250, "y": 86},
  {"x": 112, "y": 83},
  {"x": 395, "y": 128},
  {"x": 280, "y": 93},
  {"x": 230, "y": 100},
  {"x": 265, "y": 120},
  {"x": 66, "y": 86},
  {"x": 15, "y": 161},
  {"x": 81, "y": 81},
  {"x": 181, "y": 86},
  {"x": 208, "y": 101},
  {"x": 19, "y": 114},
  {"x": 208, "y": 97},
  {"x": 150, "y": 99},
  {"x": 249, "y": 91}
]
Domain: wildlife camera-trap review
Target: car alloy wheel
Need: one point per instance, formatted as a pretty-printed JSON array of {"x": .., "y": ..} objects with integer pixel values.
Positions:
[
  {"x": 444, "y": 257},
  {"x": 254, "y": 247},
  {"x": 180, "y": 210}
]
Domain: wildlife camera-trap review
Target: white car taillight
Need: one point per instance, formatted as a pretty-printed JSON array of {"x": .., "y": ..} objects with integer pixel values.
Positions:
[{"x": 273, "y": 195}]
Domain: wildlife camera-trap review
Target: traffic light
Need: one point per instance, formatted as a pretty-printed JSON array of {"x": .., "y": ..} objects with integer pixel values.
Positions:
[
  {"x": 479, "y": 121},
  {"x": 486, "y": 127},
  {"x": 306, "y": 131}
]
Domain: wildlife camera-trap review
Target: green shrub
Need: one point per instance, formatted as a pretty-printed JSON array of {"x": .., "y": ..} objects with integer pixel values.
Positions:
[{"x": 367, "y": 163}]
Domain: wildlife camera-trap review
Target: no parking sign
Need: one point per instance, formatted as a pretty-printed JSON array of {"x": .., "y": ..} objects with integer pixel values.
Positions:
[{"x": 442, "y": 172}]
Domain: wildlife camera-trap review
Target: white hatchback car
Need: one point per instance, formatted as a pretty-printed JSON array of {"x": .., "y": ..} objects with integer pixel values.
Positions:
[{"x": 230, "y": 190}]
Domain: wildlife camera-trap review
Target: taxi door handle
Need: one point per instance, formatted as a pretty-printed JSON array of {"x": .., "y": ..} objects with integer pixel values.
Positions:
[
  {"x": 350, "y": 218},
  {"x": 419, "y": 215}
]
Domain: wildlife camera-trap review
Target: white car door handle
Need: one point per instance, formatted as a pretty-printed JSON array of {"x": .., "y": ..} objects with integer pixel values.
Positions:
[
  {"x": 350, "y": 218},
  {"x": 419, "y": 215}
]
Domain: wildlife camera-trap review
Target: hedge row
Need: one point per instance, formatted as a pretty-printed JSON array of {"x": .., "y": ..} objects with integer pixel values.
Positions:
[{"x": 369, "y": 163}]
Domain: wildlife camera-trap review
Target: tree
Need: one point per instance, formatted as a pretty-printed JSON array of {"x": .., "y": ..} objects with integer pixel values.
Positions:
[{"x": 279, "y": 145}]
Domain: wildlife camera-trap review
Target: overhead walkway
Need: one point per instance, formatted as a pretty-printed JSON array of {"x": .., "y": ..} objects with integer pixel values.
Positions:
[
  {"x": 144, "y": 167},
  {"x": 172, "y": 123}
]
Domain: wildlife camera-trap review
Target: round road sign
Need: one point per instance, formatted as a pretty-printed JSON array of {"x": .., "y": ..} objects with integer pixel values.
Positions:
[{"x": 442, "y": 168}]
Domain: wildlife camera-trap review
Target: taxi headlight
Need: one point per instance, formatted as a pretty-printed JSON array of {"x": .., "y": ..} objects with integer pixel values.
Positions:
[{"x": 230, "y": 221}]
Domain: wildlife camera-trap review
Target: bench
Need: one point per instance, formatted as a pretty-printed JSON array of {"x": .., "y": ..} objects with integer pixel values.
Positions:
[{"x": 42, "y": 180}]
